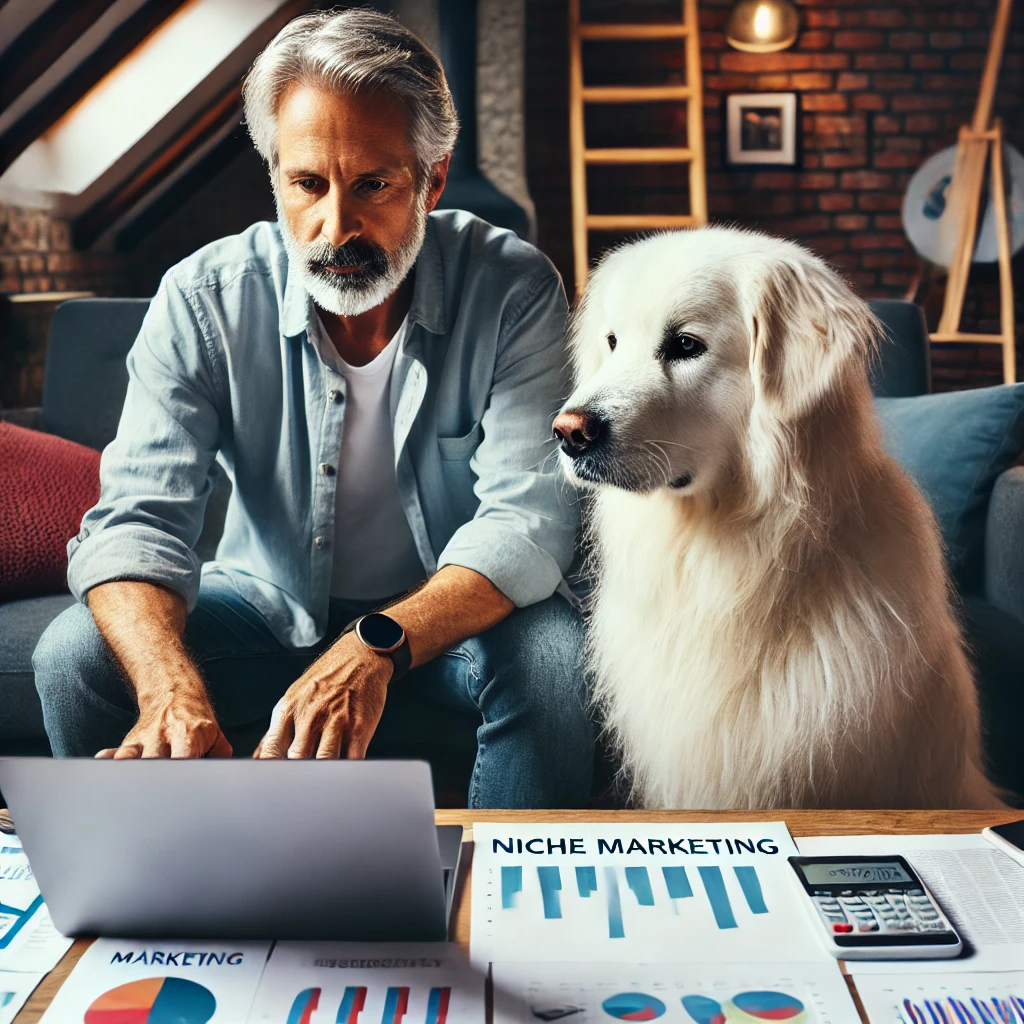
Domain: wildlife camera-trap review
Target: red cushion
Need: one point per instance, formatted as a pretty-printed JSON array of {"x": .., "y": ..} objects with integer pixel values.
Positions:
[{"x": 46, "y": 485}]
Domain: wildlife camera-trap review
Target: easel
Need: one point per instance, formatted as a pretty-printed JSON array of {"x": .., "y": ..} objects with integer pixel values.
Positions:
[{"x": 977, "y": 145}]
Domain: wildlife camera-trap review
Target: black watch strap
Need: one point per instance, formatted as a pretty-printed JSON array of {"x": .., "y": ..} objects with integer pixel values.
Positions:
[{"x": 401, "y": 658}]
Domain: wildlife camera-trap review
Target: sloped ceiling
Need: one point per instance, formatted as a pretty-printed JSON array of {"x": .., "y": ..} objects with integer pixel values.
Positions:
[{"x": 104, "y": 120}]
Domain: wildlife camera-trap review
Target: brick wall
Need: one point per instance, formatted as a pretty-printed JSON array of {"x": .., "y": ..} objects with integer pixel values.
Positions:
[{"x": 882, "y": 87}]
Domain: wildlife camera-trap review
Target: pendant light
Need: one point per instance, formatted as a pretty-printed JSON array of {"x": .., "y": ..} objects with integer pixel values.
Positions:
[{"x": 762, "y": 26}]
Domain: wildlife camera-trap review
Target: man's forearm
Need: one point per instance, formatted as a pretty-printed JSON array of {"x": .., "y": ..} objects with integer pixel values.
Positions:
[
  {"x": 453, "y": 605},
  {"x": 143, "y": 624}
]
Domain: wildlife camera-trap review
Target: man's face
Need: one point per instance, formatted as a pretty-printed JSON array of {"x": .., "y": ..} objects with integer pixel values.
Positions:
[{"x": 351, "y": 207}]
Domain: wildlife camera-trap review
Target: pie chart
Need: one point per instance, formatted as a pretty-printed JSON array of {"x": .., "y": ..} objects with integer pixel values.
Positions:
[
  {"x": 633, "y": 1006},
  {"x": 769, "y": 1006},
  {"x": 154, "y": 1001}
]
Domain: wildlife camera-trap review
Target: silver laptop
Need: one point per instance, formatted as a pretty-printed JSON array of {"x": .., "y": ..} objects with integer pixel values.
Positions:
[{"x": 236, "y": 848}]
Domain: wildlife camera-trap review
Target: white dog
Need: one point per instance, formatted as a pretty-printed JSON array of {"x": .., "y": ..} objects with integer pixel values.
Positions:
[{"x": 771, "y": 625}]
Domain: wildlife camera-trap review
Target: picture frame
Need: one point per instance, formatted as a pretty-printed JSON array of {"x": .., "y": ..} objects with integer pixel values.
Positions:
[{"x": 762, "y": 129}]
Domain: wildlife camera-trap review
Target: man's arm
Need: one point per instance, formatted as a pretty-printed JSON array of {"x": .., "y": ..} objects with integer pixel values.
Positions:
[
  {"x": 144, "y": 623},
  {"x": 334, "y": 707}
]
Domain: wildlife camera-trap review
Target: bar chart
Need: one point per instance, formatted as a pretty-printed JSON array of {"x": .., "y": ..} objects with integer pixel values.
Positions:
[{"x": 996, "y": 998}]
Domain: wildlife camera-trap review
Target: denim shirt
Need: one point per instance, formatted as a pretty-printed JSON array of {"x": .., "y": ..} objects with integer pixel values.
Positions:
[{"x": 226, "y": 368}]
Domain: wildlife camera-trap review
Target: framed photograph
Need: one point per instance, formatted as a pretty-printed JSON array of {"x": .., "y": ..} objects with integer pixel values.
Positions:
[{"x": 762, "y": 128}]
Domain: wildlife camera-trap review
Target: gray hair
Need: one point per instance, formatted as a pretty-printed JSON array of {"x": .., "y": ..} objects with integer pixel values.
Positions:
[{"x": 354, "y": 51}]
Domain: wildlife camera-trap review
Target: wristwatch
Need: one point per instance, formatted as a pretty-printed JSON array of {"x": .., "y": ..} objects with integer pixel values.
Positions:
[{"x": 382, "y": 635}]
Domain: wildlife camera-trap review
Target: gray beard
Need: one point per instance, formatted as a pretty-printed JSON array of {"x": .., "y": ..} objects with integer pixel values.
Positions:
[{"x": 343, "y": 297}]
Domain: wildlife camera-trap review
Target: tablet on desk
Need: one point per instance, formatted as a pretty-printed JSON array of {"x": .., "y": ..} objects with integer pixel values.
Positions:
[{"x": 236, "y": 848}]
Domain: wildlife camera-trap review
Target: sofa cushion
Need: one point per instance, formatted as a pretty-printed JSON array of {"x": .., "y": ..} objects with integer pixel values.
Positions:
[
  {"x": 955, "y": 446},
  {"x": 46, "y": 486},
  {"x": 21, "y": 625}
]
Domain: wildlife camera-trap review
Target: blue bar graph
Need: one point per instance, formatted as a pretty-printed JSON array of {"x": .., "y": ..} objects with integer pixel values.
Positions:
[
  {"x": 714, "y": 886},
  {"x": 511, "y": 883},
  {"x": 615, "y": 929},
  {"x": 751, "y": 886},
  {"x": 640, "y": 882},
  {"x": 396, "y": 1005},
  {"x": 550, "y": 885},
  {"x": 437, "y": 1005},
  {"x": 586, "y": 881},
  {"x": 352, "y": 1003},
  {"x": 677, "y": 883}
]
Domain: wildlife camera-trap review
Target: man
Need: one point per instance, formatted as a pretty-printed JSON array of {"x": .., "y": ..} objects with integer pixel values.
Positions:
[{"x": 379, "y": 385}]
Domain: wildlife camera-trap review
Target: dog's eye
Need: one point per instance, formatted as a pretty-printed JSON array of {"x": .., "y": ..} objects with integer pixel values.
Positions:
[
  {"x": 682, "y": 346},
  {"x": 612, "y": 342}
]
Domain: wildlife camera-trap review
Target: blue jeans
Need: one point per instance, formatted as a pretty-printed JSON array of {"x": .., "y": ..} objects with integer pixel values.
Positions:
[{"x": 522, "y": 680}]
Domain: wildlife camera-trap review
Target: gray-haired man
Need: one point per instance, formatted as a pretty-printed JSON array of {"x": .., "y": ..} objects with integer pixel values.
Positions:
[{"x": 379, "y": 385}]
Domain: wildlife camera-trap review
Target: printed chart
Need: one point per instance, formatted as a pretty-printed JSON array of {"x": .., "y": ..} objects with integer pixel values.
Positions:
[
  {"x": 647, "y": 893},
  {"x": 15, "y": 988},
  {"x": 342, "y": 983},
  {"x": 134, "y": 982},
  {"x": 154, "y": 1001},
  {"x": 28, "y": 940},
  {"x": 673, "y": 994},
  {"x": 996, "y": 998}
]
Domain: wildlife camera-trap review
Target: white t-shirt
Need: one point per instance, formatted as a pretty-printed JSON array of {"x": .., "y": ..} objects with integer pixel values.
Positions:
[{"x": 374, "y": 552}]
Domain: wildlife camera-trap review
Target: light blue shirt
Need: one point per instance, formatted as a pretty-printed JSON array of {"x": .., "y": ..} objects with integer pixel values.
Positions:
[{"x": 225, "y": 369}]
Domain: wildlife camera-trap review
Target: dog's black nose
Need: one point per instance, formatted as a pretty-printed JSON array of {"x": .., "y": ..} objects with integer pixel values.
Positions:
[{"x": 578, "y": 431}]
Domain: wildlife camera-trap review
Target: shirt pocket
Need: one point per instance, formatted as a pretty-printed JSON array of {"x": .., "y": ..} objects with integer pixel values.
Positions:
[
  {"x": 460, "y": 449},
  {"x": 458, "y": 478}
]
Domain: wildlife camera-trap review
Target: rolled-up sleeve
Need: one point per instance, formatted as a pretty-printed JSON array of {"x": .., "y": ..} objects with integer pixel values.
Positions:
[
  {"x": 523, "y": 532},
  {"x": 155, "y": 475}
]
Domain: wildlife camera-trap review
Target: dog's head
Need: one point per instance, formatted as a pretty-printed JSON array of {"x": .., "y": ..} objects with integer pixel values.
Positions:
[{"x": 684, "y": 338}]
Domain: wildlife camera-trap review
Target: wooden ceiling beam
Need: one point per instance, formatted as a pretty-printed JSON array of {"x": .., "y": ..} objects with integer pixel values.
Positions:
[
  {"x": 66, "y": 93},
  {"x": 43, "y": 41}
]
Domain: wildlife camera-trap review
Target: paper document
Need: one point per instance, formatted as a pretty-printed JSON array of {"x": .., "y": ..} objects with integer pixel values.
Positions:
[
  {"x": 959, "y": 998},
  {"x": 676, "y": 993},
  {"x": 28, "y": 940},
  {"x": 134, "y": 980},
  {"x": 15, "y": 988},
  {"x": 980, "y": 889},
  {"x": 361, "y": 983},
  {"x": 638, "y": 893}
]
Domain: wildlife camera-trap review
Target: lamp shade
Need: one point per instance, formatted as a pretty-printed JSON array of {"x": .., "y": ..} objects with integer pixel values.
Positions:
[{"x": 762, "y": 26}]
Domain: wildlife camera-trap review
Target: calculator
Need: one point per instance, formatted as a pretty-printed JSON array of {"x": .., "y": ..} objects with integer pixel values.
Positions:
[{"x": 874, "y": 908}]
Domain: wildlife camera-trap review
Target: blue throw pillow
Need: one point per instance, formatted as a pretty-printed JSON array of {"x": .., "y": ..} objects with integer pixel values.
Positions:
[{"x": 955, "y": 446}]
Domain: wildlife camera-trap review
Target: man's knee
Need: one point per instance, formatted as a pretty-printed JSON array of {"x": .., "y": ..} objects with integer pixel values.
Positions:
[{"x": 71, "y": 652}]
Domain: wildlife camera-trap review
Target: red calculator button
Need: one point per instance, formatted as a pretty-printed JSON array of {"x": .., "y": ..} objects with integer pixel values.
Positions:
[{"x": 846, "y": 927}]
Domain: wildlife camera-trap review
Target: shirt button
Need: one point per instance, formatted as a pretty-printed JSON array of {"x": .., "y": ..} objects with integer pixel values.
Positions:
[
  {"x": 320, "y": 542},
  {"x": 335, "y": 396},
  {"x": 326, "y": 469}
]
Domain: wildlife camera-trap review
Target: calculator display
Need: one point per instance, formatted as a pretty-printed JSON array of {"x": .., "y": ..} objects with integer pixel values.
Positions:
[{"x": 855, "y": 873}]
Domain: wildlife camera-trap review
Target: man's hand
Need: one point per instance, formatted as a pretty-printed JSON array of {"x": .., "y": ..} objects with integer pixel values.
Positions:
[
  {"x": 332, "y": 710},
  {"x": 182, "y": 725}
]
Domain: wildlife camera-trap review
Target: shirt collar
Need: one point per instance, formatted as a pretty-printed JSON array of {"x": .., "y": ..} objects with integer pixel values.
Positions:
[{"x": 427, "y": 307}]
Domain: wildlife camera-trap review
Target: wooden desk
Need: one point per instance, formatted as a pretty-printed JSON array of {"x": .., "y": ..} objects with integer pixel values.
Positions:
[{"x": 801, "y": 823}]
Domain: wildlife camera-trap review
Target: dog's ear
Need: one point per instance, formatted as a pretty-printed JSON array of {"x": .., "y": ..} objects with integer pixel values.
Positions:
[{"x": 807, "y": 327}]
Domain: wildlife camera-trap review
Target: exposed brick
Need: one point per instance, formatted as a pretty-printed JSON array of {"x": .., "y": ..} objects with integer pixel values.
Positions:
[
  {"x": 927, "y": 61},
  {"x": 788, "y": 60},
  {"x": 818, "y": 180},
  {"x": 946, "y": 40},
  {"x": 906, "y": 40},
  {"x": 886, "y": 17},
  {"x": 887, "y": 222},
  {"x": 865, "y": 180},
  {"x": 880, "y": 61},
  {"x": 831, "y": 202},
  {"x": 874, "y": 241},
  {"x": 885, "y": 124},
  {"x": 821, "y": 18},
  {"x": 876, "y": 201},
  {"x": 921, "y": 101},
  {"x": 916, "y": 123},
  {"x": 829, "y": 245},
  {"x": 840, "y": 160},
  {"x": 774, "y": 179},
  {"x": 825, "y": 101},
  {"x": 880, "y": 259},
  {"x": 811, "y": 80},
  {"x": 869, "y": 101},
  {"x": 850, "y": 82},
  {"x": 813, "y": 40},
  {"x": 858, "y": 40},
  {"x": 894, "y": 83},
  {"x": 809, "y": 225},
  {"x": 894, "y": 158},
  {"x": 966, "y": 61},
  {"x": 850, "y": 221},
  {"x": 830, "y": 61}
]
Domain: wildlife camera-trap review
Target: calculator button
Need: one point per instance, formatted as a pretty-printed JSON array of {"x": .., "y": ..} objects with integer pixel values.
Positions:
[
  {"x": 915, "y": 892},
  {"x": 867, "y": 926},
  {"x": 842, "y": 928}
]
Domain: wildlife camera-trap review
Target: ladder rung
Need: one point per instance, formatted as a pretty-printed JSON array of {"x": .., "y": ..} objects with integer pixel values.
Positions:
[
  {"x": 991, "y": 339},
  {"x": 671, "y": 30},
  {"x": 625, "y": 155},
  {"x": 634, "y": 93},
  {"x": 636, "y": 221}
]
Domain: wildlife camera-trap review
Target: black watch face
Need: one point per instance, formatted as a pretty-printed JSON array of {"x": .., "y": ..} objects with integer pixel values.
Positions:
[{"x": 379, "y": 631}]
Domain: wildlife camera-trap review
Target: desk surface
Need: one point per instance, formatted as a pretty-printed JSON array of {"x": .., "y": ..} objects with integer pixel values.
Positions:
[{"x": 801, "y": 823}]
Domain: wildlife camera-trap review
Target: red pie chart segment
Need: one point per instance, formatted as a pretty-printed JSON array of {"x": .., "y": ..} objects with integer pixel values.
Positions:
[{"x": 154, "y": 1001}]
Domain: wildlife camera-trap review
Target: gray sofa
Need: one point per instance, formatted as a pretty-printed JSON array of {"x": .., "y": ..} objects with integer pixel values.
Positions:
[{"x": 82, "y": 397}]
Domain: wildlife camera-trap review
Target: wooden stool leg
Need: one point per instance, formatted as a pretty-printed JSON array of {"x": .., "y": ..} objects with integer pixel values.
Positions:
[{"x": 1006, "y": 324}]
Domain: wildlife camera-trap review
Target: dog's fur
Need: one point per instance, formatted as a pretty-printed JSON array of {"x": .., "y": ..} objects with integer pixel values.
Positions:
[{"x": 771, "y": 625}]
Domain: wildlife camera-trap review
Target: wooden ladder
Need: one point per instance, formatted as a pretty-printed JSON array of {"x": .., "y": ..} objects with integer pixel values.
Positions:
[{"x": 580, "y": 156}]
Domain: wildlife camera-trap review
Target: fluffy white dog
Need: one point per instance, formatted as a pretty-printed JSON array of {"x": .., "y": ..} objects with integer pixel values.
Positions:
[{"x": 771, "y": 625}]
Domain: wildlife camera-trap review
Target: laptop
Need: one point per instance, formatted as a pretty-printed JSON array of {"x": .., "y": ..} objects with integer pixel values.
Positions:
[{"x": 236, "y": 849}]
